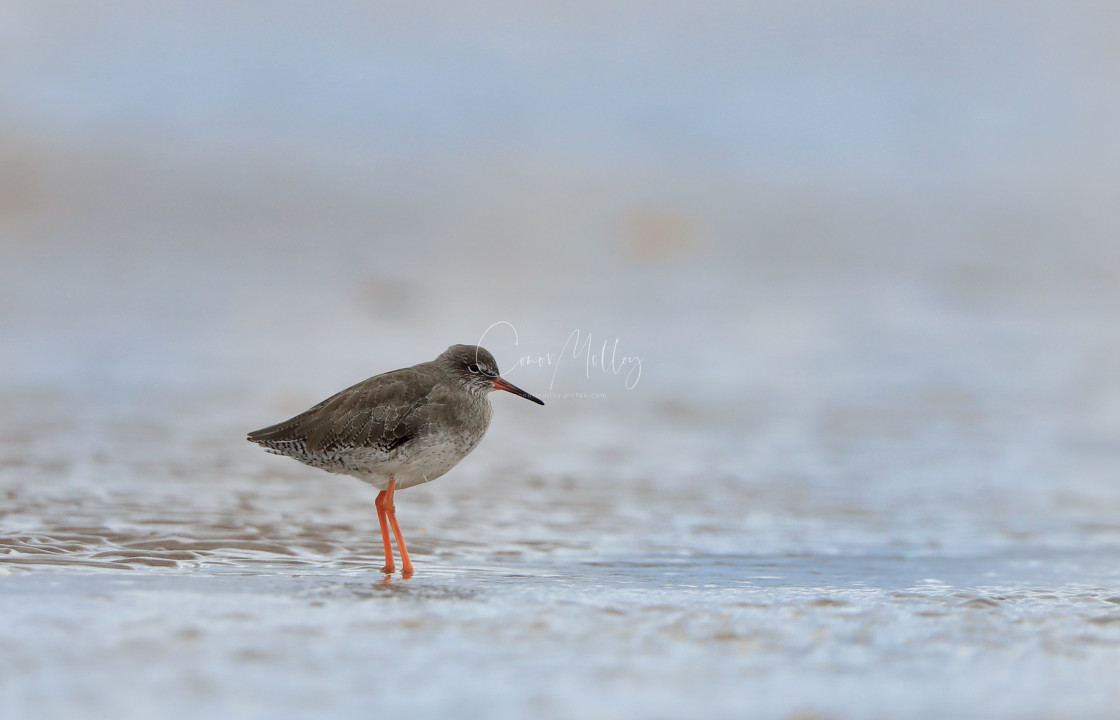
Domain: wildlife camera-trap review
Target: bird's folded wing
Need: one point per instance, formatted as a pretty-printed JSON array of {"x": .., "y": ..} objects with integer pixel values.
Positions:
[{"x": 382, "y": 412}]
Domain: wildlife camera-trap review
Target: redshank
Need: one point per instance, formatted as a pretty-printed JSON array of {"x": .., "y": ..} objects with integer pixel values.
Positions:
[{"x": 397, "y": 429}]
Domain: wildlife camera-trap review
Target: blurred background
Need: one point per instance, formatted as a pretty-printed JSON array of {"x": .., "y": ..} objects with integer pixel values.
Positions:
[
  {"x": 866, "y": 255},
  {"x": 846, "y": 243}
]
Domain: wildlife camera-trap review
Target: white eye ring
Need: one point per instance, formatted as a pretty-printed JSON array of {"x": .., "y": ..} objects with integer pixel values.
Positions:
[{"x": 473, "y": 367}]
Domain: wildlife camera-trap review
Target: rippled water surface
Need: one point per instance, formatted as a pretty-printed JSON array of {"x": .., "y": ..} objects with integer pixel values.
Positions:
[{"x": 171, "y": 565}]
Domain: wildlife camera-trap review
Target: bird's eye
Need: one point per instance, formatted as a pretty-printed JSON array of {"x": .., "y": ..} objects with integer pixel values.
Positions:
[{"x": 473, "y": 368}]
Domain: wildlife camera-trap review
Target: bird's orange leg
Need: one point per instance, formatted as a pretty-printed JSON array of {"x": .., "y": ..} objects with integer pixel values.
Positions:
[
  {"x": 391, "y": 510},
  {"x": 382, "y": 517}
]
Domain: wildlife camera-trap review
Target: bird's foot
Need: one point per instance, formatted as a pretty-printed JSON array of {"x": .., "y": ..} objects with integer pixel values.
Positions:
[
  {"x": 389, "y": 569},
  {"x": 406, "y": 571}
]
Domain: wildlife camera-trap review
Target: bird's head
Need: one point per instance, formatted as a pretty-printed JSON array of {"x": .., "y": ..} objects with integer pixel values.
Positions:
[{"x": 477, "y": 370}]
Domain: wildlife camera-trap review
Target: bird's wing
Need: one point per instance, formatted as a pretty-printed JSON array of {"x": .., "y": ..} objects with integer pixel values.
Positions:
[{"x": 382, "y": 412}]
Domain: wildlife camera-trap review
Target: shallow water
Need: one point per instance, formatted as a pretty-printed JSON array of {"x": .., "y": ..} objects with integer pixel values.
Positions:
[
  {"x": 768, "y": 636},
  {"x": 204, "y": 577}
]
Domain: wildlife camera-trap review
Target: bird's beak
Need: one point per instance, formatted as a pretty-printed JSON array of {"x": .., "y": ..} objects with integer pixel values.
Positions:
[{"x": 500, "y": 384}]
